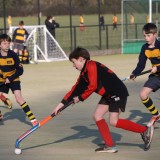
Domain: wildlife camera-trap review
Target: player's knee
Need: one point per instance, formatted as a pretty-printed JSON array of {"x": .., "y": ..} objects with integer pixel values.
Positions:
[
  {"x": 97, "y": 117},
  {"x": 143, "y": 95}
]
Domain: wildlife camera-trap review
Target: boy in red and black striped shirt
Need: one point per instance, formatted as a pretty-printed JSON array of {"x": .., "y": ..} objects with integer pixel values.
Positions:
[{"x": 96, "y": 77}]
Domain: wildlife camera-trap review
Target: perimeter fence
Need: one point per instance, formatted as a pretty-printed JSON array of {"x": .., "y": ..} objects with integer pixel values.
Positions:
[{"x": 94, "y": 37}]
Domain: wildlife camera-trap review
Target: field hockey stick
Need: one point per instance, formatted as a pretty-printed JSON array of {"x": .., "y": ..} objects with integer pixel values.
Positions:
[
  {"x": 142, "y": 73},
  {"x": 34, "y": 128}
]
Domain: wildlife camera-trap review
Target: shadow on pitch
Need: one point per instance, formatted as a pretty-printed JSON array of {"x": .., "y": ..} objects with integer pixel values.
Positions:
[
  {"x": 82, "y": 132},
  {"x": 13, "y": 114},
  {"x": 140, "y": 117}
]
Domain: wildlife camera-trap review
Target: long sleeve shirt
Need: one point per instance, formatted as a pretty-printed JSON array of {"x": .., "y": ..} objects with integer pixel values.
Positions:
[
  {"x": 153, "y": 54},
  {"x": 96, "y": 77},
  {"x": 10, "y": 67}
]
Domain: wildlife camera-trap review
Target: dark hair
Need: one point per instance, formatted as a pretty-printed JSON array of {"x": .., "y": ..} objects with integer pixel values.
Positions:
[
  {"x": 79, "y": 52},
  {"x": 4, "y": 37},
  {"x": 21, "y": 23},
  {"x": 49, "y": 17},
  {"x": 150, "y": 28}
]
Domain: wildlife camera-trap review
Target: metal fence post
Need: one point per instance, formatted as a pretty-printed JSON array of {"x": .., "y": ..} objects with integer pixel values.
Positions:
[
  {"x": 106, "y": 36},
  {"x": 75, "y": 40}
]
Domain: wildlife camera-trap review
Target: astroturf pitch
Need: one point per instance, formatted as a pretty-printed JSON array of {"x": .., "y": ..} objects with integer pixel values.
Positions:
[{"x": 73, "y": 134}]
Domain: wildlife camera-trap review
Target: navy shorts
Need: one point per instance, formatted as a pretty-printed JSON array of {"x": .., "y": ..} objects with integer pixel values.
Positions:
[
  {"x": 15, "y": 85},
  {"x": 153, "y": 83},
  {"x": 18, "y": 46},
  {"x": 115, "y": 104}
]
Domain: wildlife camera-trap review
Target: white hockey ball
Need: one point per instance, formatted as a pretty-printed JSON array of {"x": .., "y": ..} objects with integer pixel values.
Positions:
[{"x": 18, "y": 151}]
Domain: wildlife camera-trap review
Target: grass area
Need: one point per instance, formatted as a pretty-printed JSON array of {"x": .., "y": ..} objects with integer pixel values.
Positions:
[
  {"x": 90, "y": 38},
  {"x": 62, "y": 20},
  {"x": 73, "y": 133}
]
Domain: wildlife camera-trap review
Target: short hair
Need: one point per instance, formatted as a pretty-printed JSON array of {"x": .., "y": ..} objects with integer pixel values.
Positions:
[
  {"x": 150, "y": 28},
  {"x": 4, "y": 37},
  {"x": 49, "y": 17},
  {"x": 79, "y": 52},
  {"x": 21, "y": 23}
]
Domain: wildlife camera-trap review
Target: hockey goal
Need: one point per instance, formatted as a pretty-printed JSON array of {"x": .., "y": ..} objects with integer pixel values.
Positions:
[{"x": 41, "y": 45}]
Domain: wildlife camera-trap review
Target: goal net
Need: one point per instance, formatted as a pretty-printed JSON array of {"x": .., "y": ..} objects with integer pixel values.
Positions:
[
  {"x": 135, "y": 14},
  {"x": 41, "y": 45}
]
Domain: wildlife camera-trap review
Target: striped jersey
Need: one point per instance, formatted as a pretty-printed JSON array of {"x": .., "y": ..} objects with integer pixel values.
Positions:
[
  {"x": 10, "y": 67},
  {"x": 20, "y": 35},
  {"x": 96, "y": 77},
  {"x": 153, "y": 54}
]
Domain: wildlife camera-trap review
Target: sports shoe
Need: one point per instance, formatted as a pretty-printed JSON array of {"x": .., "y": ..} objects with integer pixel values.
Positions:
[
  {"x": 107, "y": 149},
  {"x": 153, "y": 120},
  {"x": 34, "y": 122},
  {"x": 147, "y": 137},
  {"x": 1, "y": 116},
  {"x": 8, "y": 103}
]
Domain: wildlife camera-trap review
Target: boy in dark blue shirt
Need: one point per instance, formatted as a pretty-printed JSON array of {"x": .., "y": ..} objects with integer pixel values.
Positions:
[
  {"x": 150, "y": 50},
  {"x": 11, "y": 70}
]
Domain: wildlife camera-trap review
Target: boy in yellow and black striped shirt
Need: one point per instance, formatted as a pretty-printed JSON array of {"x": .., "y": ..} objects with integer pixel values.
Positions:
[
  {"x": 11, "y": 70},
  {"x": 19, "y": 38},
  {"x": 149, "y": 51}
]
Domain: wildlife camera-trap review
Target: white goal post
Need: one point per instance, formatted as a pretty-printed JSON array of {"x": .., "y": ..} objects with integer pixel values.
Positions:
[{"x": 41, "y": 45}]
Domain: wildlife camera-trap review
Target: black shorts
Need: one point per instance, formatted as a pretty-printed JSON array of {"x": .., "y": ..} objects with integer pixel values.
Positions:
[
  {"x": 15, "y": 85},
  {"x": 115, "y": 104},
  {"x": 18, "y": 46},
  {"x": 153, "y": 83}
]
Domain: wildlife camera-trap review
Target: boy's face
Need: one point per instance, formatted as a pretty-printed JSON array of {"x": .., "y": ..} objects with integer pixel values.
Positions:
[
  {"x": 78, "y": 63},
  {"x": 21, "y": 26},
  {"x": 150, "y": 38},
  {"x": 5, "y": 45}
]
